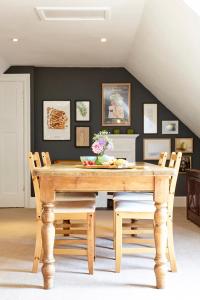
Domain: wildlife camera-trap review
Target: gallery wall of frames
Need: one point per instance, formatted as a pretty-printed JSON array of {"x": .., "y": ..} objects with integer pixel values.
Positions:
[{"x": 81, "y": 101}]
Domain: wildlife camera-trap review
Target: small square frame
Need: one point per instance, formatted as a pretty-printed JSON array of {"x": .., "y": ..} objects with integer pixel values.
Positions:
[
  {"x": 170, "y": 127},
  {"x": 184, "y": 145},
  {"x": 186, "y": 163},
  {"x": 84, "y": 104}
]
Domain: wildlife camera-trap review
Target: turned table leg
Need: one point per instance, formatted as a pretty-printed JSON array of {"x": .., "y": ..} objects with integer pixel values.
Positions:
[
  {"x": 160, "y": 228},
  {"x": 48, "y": 235}
]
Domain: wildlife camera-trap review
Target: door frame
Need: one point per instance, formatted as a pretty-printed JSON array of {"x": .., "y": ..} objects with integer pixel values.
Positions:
[{"x": 25, "y": 79}]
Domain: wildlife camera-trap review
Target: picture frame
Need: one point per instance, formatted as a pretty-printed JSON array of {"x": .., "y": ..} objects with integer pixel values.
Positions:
[
  {"x": 82, "y": 110},
  {"x": 82, "y": 136},
  {"x": 170, "y": 127},
  {"x": 186, "y": 163},
  {"x": 153, "y": 147},
  {"x": 116, "y": 104},
  {"x": 150, "y": 118},
  {"x": 56, "y": 120},
  {"x": 184, "y": 145}
]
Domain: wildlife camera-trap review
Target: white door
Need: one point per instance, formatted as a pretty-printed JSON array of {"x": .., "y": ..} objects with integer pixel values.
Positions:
[{"x": 11, "y": 143}]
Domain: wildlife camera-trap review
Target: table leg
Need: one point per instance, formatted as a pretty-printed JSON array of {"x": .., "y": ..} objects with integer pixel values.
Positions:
[
  {"x": 48, "y": 236},
  {"x": 160, "y": 228}
]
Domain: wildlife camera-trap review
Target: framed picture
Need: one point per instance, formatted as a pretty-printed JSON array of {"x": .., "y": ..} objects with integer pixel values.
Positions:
[
  {"x": 186, "y": 163},
  {"x": 116, "y": 104},
  {"x": 150, "y": 117},
  {"x": 56, "y": 120},
  {"x": 82, "y": 136},
  {"x": 82, "y": 110},
  {"x": 170, "y": 127},
  {"x": 184, "y": 145},
  {"x": 153, "y": 147}
]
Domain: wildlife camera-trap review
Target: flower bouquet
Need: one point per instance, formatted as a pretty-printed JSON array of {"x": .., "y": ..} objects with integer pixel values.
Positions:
[{"x": 101, "y": 143}]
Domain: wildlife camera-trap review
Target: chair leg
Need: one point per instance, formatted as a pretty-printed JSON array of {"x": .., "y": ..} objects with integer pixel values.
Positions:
[
  {"x": 133, "y": 226},
  {"x": 118, "y": 242},
  {"x": 41, "y": 255},
  {"x": 94, "y": 236},
  {"x": 90, "y": 244},
  {"x": 171, "y": 252},
  {"x": 38, "y": 247},
  {"x": 114, "y": 225},
  {"x": 66, "y": 222}
]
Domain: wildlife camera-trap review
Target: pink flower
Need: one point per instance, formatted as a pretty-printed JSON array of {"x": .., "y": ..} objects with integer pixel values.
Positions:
[{"x": 97, "y": 148}]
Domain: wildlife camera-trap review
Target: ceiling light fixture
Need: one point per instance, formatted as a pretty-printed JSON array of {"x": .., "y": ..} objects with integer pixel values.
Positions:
[
  {"x": 103, "y": 40},
  {"x": 66, "y": 13},
  {"x": 15, "y": 40}
]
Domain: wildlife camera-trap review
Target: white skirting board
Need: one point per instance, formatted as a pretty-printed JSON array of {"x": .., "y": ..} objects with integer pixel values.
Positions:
[
  {"x": 102, "y": 201},
  {"x": 32, "y": 203},
  {"x": 180, "y": 201}
]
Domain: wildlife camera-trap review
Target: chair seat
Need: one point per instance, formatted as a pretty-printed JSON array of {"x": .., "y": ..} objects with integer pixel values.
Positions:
[
  {"x": 134, "y": 206},
  {"x": 67, "y": 196},
  {"x": 133, "y": 196},
  {"x": 74, "y": 206}
]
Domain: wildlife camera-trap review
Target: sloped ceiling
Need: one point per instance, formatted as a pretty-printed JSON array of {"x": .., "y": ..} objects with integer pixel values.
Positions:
[
  {"x": 165, "y": 57},
  {"x": 3, "y": 65}
]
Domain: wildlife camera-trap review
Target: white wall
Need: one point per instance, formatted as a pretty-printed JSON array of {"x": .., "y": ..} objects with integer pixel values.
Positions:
[
  {"x": 3, "y": 65},
  {"x": 166, "y": 57}
]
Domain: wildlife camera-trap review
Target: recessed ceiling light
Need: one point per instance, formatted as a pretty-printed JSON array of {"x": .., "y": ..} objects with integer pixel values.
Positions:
[
  {"x": 103, "y": 40},
  {"x": 15, "y": 40}
]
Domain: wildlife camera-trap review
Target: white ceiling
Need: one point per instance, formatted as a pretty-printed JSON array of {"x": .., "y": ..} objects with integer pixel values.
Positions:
[
  {"x": 158, "y": 41},
  {"x": 67, "y": 43},
  {"x": 165, "y": 57}
]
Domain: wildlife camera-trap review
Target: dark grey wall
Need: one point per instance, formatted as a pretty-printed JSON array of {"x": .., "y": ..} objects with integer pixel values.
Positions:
[{"x": 85, "y": 83}]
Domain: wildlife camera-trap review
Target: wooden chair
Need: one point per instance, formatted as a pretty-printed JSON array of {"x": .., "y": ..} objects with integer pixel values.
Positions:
[
  {"x": 70, "y": 196},
  {"x": 143, "y": 212},
  {"x": 140, "y": 196},
  {"x": 162, "y": 159},
  {"x": 77, "y": 211},
  {"x": 67, "y": 196}
]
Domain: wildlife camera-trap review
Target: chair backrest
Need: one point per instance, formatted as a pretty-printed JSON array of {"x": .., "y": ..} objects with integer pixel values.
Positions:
[
  {"x": 34, "y": 161},
  {"x": 175, "y": 161},
  {"x": 162, "y": 159},
  {"x": 46, "y": 159}
]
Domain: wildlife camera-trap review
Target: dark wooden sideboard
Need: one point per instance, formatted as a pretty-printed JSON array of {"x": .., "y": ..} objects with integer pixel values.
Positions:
[{"x": 193, "y": 196}]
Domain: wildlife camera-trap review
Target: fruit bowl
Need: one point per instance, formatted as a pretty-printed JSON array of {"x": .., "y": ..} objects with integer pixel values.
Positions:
[{"x": 88, "y": 160}]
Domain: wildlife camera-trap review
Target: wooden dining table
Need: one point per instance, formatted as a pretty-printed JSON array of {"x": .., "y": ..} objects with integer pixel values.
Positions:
[{"x": 142, "y": 177}]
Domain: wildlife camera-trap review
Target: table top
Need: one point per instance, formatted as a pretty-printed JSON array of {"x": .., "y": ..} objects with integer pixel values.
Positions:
[{"x": 141, "y": 168}]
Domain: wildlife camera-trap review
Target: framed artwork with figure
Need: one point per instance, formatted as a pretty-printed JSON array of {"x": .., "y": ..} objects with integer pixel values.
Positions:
[{"x": 116, "y": 104}]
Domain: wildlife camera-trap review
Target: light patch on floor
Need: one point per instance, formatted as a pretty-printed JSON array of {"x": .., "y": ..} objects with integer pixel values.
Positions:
[{"x": 72, "y": 281}]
